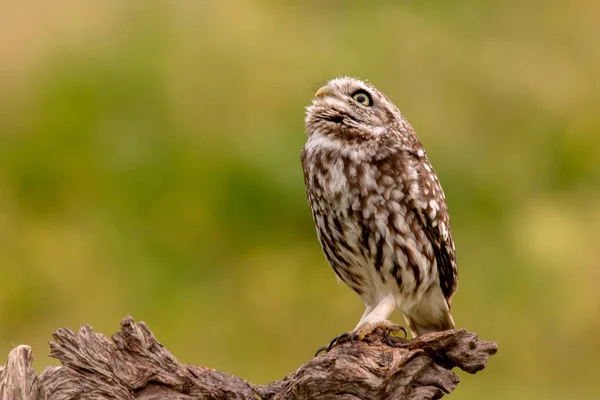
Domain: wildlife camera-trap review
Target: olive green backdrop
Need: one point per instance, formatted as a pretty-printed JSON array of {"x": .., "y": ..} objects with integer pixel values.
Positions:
[{"x": 149, "y": 166}]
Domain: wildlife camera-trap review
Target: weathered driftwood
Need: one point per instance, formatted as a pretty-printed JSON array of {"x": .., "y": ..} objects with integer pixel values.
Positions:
[{"x": 134, "y": 365}]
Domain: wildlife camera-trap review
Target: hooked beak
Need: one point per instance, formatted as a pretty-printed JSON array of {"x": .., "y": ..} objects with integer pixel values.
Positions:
[{"x": 324, "y": 91}]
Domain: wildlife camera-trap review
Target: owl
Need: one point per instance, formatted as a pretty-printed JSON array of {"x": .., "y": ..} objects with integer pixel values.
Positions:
[{"x": 379, "y": 210}]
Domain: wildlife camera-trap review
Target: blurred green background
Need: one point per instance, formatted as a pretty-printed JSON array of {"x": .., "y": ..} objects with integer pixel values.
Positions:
[{"x": 149, "y": 166}]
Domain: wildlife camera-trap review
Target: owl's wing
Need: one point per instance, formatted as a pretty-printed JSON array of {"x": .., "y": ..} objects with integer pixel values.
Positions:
[{"x": 430, "y": 205}]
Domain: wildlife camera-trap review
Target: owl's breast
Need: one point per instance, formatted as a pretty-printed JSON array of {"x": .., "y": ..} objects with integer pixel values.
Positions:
[{"x": 367, "y": 225}]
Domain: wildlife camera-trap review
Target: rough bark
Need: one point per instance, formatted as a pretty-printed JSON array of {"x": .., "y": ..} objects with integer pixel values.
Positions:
[{"x": 134, "y": 365}]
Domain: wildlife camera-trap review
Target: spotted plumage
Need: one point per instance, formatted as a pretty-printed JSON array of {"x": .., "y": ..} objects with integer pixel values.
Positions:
[{"x": 378, "y": 207}]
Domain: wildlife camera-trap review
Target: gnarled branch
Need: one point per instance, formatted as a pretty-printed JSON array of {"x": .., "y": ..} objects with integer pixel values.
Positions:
[{"x": 134, "y": 365}]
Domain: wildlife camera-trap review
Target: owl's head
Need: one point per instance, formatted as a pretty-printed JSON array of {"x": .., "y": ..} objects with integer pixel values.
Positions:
[{"x": 349, "y": 108}]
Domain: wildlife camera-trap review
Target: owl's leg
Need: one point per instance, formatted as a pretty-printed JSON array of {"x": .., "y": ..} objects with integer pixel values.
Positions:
[
  {"x": 377, "y": 318},
  {"x": 374, "y": 317},
  {"x": 368, "y": 311}
]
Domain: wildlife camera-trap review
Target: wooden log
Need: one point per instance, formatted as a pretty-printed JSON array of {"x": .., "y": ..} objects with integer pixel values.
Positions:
[{"x": 134, "y": 365}]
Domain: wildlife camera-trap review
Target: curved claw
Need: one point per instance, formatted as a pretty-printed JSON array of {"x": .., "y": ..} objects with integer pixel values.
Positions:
[
  {"x": 335, "y": 341},
  {"x": 404, "y": 331},
  {"x": 320, "y": 349},
  {"x": 395, "y": 329}
]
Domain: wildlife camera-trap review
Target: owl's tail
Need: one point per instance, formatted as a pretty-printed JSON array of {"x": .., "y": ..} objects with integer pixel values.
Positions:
[{"x": 432, "y": 315}]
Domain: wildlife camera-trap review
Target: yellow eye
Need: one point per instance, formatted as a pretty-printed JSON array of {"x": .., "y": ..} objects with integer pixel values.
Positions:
[{"x": 362, "y": 97}]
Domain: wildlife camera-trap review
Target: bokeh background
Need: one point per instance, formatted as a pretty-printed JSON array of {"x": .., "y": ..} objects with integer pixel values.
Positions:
[{"x": 149, "y": 166}]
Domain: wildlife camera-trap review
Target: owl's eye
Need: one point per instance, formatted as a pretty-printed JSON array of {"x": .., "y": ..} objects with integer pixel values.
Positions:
[{"x": 362, "y": 97}]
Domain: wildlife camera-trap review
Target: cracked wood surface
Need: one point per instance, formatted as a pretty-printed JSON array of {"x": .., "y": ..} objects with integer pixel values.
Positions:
[{"x": 134, "y": 365}]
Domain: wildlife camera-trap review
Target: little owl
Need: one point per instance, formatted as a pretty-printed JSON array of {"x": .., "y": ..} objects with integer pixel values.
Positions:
[{"x": 379, "y": 210}]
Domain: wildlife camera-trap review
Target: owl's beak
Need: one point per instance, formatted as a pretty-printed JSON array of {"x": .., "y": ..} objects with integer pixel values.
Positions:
[{"x": 322, "y": 92}]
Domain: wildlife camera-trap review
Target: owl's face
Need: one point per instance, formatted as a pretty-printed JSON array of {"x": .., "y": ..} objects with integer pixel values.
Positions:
[{"x": 351, "y": 109}]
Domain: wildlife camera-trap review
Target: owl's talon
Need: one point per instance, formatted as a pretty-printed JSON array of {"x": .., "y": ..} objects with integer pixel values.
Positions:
[
  {"x": 359, "y": 334},
  {"x": 338, "y": 340},
  {"x": 320, "y": 349},
  {"x": 346, "y": 336},
  {"x": 404, "y": 331},
  {"x": 395, "y": 329}
]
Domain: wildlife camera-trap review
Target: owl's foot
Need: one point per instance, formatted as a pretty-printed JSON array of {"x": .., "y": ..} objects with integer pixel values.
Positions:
[
  {"x": 388, "y": 327},
  {"x": 361, "y": 332}
]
